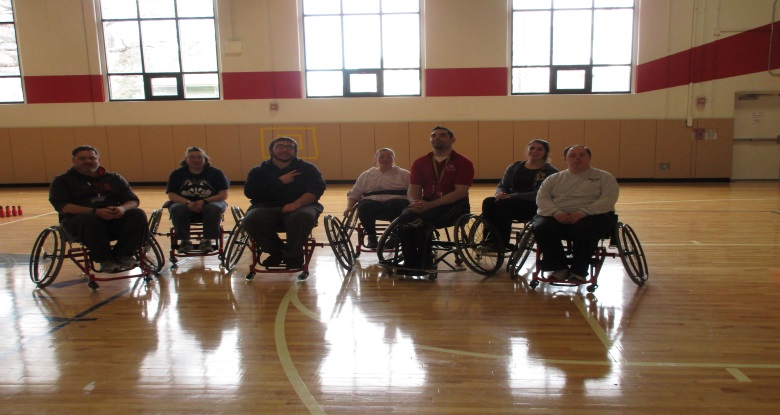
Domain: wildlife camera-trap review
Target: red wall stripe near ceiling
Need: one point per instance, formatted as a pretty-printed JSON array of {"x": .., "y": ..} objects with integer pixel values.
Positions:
[
  {"x": 64, "y": 89},
  {"x": 736, "y": 55},
  {"x": 466, "y": 82},
  {"x": 262, "y": 85}
]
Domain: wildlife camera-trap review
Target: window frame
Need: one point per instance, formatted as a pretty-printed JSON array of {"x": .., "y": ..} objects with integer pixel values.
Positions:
[
  {"x": 379, "y": 72},
  {"x": 555, "y": 69},
  {"x": 20, "y": 77},
  {"x": 148, "y": 77}
]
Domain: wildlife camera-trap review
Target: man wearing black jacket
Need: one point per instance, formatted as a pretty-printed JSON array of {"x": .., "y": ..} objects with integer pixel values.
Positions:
[
  {"x": 96, "y": 207},
  {"x": 284, "y": 192}
]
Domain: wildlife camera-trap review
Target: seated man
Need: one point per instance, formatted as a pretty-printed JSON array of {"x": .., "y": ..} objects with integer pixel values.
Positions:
[
  {"x": 576, "y": 204},
  {"x": 284, "y": 193},
  {"x": 96, "y": 207},
  {"x": 439, "y": 194},
  {"x": 197, "y": 189},
  {"x": 381, "y": 192}
]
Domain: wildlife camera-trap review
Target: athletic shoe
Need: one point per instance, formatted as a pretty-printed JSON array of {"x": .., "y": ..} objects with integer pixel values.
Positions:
[{"x": 184, "y": 247}]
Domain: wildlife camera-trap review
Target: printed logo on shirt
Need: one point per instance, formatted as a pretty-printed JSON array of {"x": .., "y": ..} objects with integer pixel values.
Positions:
[{"x": 196, "y": 188}]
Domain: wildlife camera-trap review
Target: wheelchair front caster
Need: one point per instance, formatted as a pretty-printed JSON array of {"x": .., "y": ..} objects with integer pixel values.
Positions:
[
  {"x": 250, "y": 276},
  {"x": 534, "y": 284},
  {"x": 92, "y": 284},
  {"x": 303, "y": 276},
  {"x": 592, "y": 288}
]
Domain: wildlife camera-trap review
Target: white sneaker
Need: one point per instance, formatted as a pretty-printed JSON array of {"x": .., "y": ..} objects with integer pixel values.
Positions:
[
  {"x": 559, "y": 275},
  {"x": 126, "y": 263}
]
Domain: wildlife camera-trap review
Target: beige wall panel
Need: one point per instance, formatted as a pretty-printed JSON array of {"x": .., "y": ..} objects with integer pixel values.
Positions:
[
  {"x": 637, "y": 149},
  {"x": 496, "y": 148},
  {"x": 57, "y": 148},
  {"x": 474, "y": 36},
  {"x": 673, "y": 145},
  {"x": 6, "y": 169},
  {"x": 564, "y": 133},
  {"x": 328, "y": 138},
  {"x": 29, "y": 166},
  {"x": 185, "y": 136},
  {"x": 466, "y": 141},
  {"x": 420, "y": 138},
  {"x": 357, "y": 143},
  {"x": 124, "y": 146},
  {"x": 603, "y": 138},
  {"x": 224, "y": 146},
  {"x": 157, "y": 152},
  {"x": 393, "y": 135},
  {"x": 250, "y": 148},
  {"x": 94, "y": 136},
  {"x": 524, "y": 132},
  {"x": 713, "y": 157}
]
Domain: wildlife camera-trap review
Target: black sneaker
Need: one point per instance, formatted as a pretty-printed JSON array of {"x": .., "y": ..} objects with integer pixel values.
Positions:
[
  {"x": 273, "y": 260},
  {"x": 371, "y": 242}
]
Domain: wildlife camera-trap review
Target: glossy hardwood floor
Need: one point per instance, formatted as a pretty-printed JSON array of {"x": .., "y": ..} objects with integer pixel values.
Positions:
[{"x": 703, "y": 335}]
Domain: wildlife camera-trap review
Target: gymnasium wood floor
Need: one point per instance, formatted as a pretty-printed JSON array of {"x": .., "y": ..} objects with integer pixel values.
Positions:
[{"x": 701, "y": 336}]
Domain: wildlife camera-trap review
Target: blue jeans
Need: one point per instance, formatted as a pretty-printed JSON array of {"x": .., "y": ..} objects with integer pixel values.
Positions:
[{"x": 210, "y": 216}]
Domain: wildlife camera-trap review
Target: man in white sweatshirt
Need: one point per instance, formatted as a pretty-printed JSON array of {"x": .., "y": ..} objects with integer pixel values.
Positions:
[{"x": 575, "y": 204}]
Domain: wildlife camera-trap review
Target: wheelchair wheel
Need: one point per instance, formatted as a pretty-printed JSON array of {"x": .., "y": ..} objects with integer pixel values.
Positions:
[
  {"x": 154, "y": 221},
  {"x": 632, "y": 254},
  {"x": 339, "y": 243},
  {"x": 388, "y": 248},
  {"x": 479, "y": 244},
  {"x": 349, "y": 223},
  {"x": 525, "y": 244},
  {"x": 46, "y": 256},
  {"x": 237, "y": 213},
  {"x": 236, "y": 243},
  {"x": 153, "y": 257}
]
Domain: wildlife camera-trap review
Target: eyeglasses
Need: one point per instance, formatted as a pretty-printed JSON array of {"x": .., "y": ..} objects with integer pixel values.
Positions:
[{"x": 284, "y": 146}]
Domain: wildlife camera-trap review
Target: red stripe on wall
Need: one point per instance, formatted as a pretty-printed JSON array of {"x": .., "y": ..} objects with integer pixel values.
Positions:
[
  {"x": 466, "y": 82},
  {"x": 741, "y": 54},
  {"x": 262, "y": 85},
  {"x": 64, "y": 89}
]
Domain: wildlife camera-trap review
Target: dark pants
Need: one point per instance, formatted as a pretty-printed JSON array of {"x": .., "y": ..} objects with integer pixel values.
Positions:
[
  {"x": 210, "y": 216},
  {"x": 96, "y": 234},
  {"x": 584, "y": 236},
  {"x": 369, "y": 211},
  {"x": 264, "y": 223},
  {"x": 501, "y": 213},
  {"x": 415, "y": 231}
]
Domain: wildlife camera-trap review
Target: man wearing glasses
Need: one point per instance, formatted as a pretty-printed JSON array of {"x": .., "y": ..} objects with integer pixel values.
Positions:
[{"x": 284, "y": 193}]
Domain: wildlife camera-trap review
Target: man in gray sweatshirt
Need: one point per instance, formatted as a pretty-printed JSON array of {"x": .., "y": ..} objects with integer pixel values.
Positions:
[{"x": 576, "y": 204}]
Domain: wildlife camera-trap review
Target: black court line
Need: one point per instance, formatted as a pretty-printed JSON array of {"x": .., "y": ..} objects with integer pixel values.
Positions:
[{"x": 65, "y": 323}]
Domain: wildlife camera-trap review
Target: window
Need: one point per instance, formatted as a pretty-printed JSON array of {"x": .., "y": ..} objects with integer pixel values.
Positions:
[
  {"x": 359, "y": 48},
  {"x": 160, "y": 49},
  {"x": 10, "y": 74},
  {"x": 572, "y": 46}
]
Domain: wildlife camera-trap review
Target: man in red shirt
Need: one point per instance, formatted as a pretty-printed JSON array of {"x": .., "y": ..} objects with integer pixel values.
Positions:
[{"x": 438, "y": 195}]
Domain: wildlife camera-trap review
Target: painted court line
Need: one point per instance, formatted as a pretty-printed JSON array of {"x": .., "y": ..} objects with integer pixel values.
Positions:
[{"x": 738, "y": 374}]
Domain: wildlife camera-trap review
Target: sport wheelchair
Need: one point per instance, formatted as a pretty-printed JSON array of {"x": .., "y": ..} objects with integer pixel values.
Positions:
[
  {"x": 196, "y": 233},
  {"x": 621, "y": 236},
  {"x": 54, "y": 245},
  {"x": 340, "y": 231},
  {"x": 239, "y": 240},
  {"x": 471, "y": 240}
]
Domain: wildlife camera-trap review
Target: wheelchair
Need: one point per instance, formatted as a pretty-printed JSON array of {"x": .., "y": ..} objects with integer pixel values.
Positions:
[
  {"x": 340, "y": 231},
  {"x": 54, "y": 245},
  {"x": 620, "y": 241},
  {"x": 471, "y": 240},
  {"x": 196, "y": 233},
  {"x": 239, "y": 240}
]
